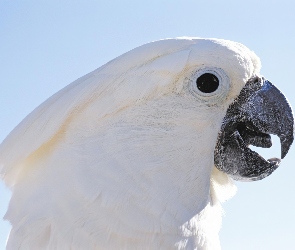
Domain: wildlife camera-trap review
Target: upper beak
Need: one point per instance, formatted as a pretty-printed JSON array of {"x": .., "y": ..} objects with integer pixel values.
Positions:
[
  {"x": 271, "y": 113},
  {"x": 260, "y": 110}
]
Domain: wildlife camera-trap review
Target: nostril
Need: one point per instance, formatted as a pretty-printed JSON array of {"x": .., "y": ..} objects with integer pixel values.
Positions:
[{"x": 257, "y": 79}]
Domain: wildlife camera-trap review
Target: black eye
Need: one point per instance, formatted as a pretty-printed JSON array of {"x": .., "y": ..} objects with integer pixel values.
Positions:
[{"x": 207, "y": 83}]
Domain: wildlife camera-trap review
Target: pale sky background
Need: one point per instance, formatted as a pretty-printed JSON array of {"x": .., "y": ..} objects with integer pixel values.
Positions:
[{"x": 45, "y": 45}]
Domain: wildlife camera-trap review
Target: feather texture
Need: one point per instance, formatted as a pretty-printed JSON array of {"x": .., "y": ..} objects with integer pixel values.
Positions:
[{"x": 122, "y": 158}]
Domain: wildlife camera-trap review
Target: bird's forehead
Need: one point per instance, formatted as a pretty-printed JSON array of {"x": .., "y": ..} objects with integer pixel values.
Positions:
[
  {"x": 202, "y": 51},
  {"x": 188, "y": 54},
  {"x": 234, "y": 58}
]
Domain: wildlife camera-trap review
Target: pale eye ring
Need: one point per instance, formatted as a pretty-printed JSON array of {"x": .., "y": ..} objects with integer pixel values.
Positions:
[{"x": 209, "y": 84}]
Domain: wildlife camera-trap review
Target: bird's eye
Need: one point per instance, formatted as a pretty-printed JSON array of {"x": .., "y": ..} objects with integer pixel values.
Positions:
[
  {"x": 210, "y": 85},
  {"x": 207, "y": 83}
]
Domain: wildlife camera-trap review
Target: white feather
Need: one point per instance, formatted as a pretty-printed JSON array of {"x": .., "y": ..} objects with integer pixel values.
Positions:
[{"x": 122, "y": 158}]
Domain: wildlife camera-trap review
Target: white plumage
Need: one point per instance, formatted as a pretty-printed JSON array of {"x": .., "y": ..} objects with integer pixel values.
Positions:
[{"x": 123, "y": 158}]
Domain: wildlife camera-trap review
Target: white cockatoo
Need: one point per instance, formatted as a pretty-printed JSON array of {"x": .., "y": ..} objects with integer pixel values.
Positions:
[{"x": 139, "y": 153}]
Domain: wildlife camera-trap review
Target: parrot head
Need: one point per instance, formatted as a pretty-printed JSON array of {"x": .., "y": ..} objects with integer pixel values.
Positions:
[{"x": 125, "y": 155}]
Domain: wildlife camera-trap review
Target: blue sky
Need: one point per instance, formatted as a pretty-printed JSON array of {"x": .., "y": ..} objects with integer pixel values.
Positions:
[{"x": 46, "y": 45}]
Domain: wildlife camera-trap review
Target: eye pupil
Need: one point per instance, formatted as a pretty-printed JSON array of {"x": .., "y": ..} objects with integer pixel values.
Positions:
[{"x": 207, "y": 83}]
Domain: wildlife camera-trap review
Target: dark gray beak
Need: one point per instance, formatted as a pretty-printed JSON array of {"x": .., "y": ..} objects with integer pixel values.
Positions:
[{"x": 260, "y": 110}]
